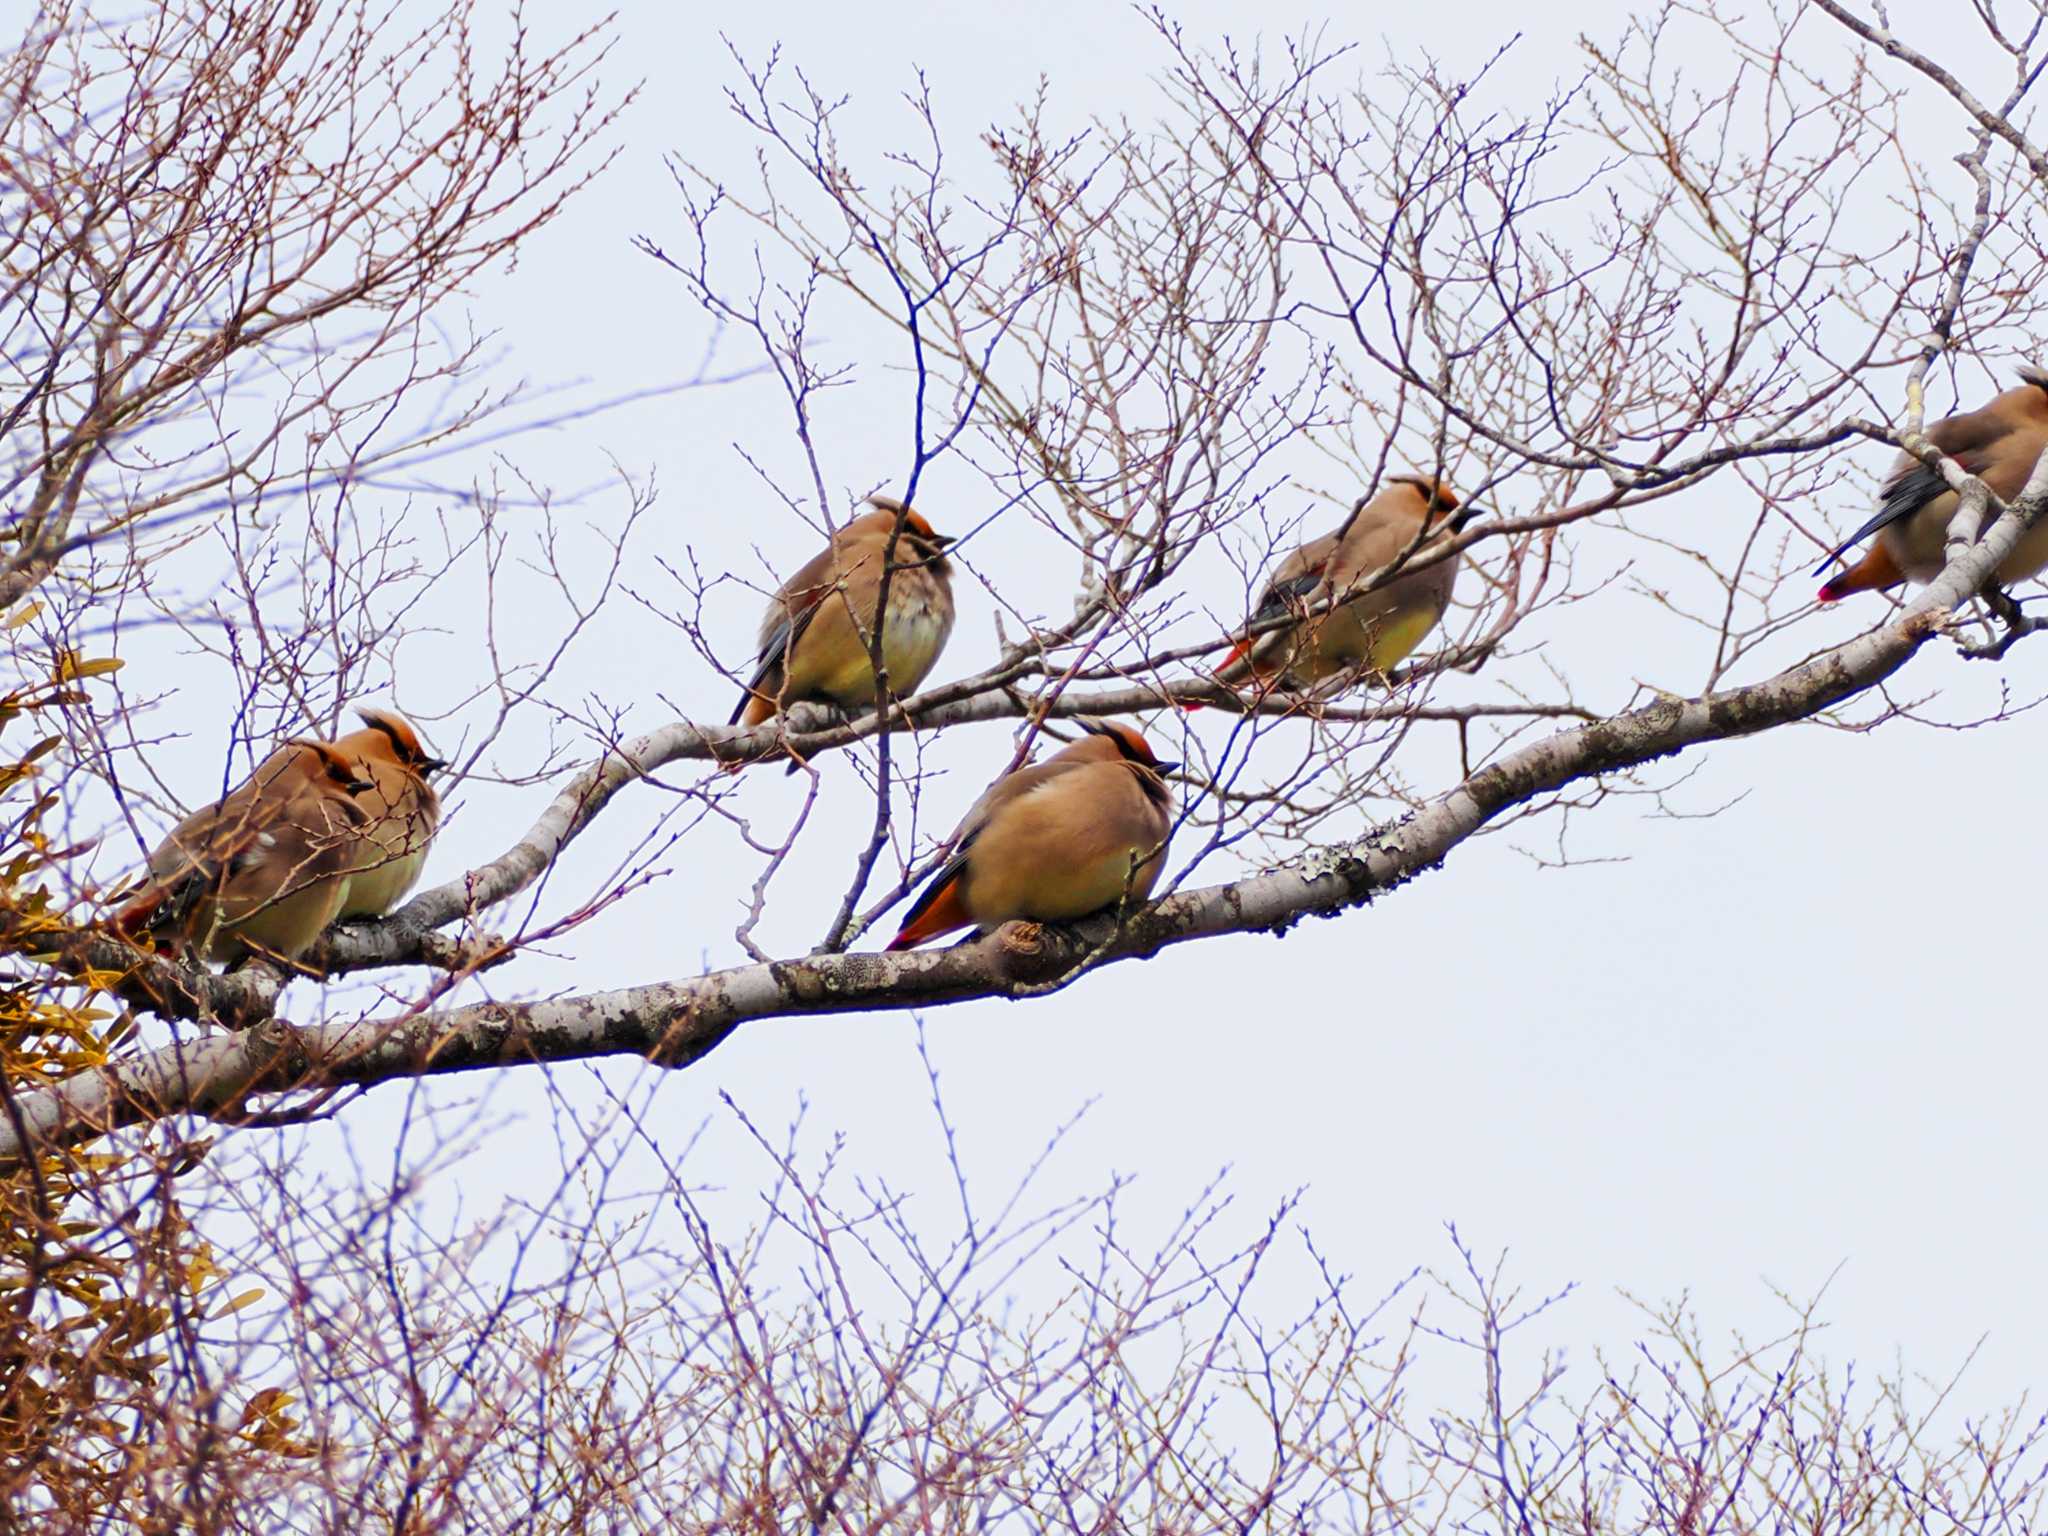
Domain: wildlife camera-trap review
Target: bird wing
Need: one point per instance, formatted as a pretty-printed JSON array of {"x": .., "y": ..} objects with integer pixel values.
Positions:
[
  {"x": 1911, "y": 485},
  {"x": 789, "y": 614},
  {"x": 1292, "y": 584},
  {"x": 203, "y": 854},
  {"x": 269, "y": 820},
  {"x": 195, "y": 854},
  {"x": 314, "y": 836},
  {"x": 1295, "y": 578},
  {"x": 1011, "y": 786}
]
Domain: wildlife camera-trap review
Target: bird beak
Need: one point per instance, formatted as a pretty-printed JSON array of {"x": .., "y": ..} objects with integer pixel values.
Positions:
[
  {"x": 1464, "y": 515},
  {"x": 432, "y": 764},
  {"x": 1163, "y": 769},
  {"x": 359, "y": 786},
  {"x": 942, "y": 539}
]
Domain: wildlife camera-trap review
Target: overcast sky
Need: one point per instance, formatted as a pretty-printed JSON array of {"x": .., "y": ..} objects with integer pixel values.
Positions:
[{"x": 1743, "y": 1052}]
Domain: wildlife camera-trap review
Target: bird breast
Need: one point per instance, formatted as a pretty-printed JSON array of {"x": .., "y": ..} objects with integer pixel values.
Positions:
[
  {"x": 915, "y": 630},
  {"x": 913, "y": 634},
  {"x": 403, "y": 815}
]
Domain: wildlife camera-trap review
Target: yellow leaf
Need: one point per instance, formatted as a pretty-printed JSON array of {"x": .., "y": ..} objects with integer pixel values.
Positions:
[
  {"x": 237, "y": 1303},
  {"x": 269, "y": 1404}
]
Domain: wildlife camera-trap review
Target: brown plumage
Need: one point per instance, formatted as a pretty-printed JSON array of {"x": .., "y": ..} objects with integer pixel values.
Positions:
[
  {"x": 815, "y": 637},
  {"x": 265, "y": 868},
  {"x": 402, "y": 808},
  {"x": 1999, "y": 444},
  {"x": 1075, "y": 834},
  {"x": 1375, "y": 630}
]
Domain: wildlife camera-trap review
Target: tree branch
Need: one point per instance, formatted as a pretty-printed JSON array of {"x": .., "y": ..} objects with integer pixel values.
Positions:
[{"x": 677, "y": 1023}]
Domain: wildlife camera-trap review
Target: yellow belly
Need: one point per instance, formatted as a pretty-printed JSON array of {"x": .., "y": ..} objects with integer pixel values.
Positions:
[
  {"x": 1076, "y": 889},
  {"x": 286, "y": 926},
  {"x": 1396, "y": 640},
  {"x": 376, "y": 890},
  {"x": 391, "y": 852},
  {"x": 910, "y": 648},
  {"x": 1346, "y": 639}
]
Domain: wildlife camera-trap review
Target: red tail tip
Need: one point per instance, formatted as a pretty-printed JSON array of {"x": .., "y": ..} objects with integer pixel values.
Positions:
[
  {"x": 902, "y": 941},
  {"x": 1834, "y": 591}
]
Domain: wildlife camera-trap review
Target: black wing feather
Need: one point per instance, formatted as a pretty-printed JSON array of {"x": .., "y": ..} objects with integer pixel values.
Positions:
[
  {"x": 1907, "y": 492},
  {"x": 1281, "y": 596},
  {"x": 1966, "y": 439},
  {"x": 777, "y": 644}
]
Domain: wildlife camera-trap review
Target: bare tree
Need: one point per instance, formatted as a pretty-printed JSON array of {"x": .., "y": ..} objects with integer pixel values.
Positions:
[
  {"x": 1629, "y": 327},
  {"x": 1123, "y": 340}
]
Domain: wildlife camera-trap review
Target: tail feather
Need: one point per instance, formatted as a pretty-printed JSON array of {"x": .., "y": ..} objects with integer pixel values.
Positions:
[
  {"x": 159, "y": 907},
  {"x": 1874, "y": 572},
  {"x": 939, "y": 910},
  {"x": 1238, "y": 651},
  {"x": 752, "y": 709},
  {"x": 139, "y": 915}
]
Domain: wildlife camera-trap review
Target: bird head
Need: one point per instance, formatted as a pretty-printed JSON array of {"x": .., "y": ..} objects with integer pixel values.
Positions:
[
  {"x": 1444, "y": 504},
  {"x": 392, "y": 733},
  {"x": 924, "y": 540},
  {"x": 336, "y": 767},
  {"x": 1129, "y": 742}
]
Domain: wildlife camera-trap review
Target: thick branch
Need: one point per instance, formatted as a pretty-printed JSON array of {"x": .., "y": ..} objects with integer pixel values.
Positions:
[
  {"x": 678, "y": 1022},
  {"x": 398, "y": 939}
]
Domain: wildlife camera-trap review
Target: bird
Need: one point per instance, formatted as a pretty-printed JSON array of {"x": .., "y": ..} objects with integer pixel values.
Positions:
[
  {"x": 262, "y": 870},
  {"x": 816, "y": 634},
  {"x": 1083, "y": 831},
  {"x": 1999, "y": 444},
  {"x": 403, "y": 809},
  {"x": 1378, "y": 627}
]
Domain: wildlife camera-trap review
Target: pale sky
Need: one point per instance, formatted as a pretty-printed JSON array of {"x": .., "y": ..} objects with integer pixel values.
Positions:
[{"x": 1750, "y": 1050}]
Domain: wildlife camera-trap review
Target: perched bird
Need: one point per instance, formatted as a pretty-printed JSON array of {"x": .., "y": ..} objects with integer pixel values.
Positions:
[
  {"x": 265, "y": 868},
  {"x": 1378, "y": 628},
  {"x": 1055, "y": 841},
  {"x": 1999, "y": 445},
  {"x": 402, "y": 807},
  {"x": 816, "y": 634}
]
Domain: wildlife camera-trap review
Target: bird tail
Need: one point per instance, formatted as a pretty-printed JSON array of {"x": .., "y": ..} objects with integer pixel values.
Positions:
[
  {"x": 159, "y": 906},
  {"x": 939, "y": 910},
  {"x": 1239, "y": 649},
  {"x": 1875, "y": 571},
  {"x": 138, "y": 916}
]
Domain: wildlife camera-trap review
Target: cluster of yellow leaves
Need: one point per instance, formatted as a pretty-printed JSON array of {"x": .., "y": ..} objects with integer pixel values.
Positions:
[{"x": 102, "y": 1280}]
